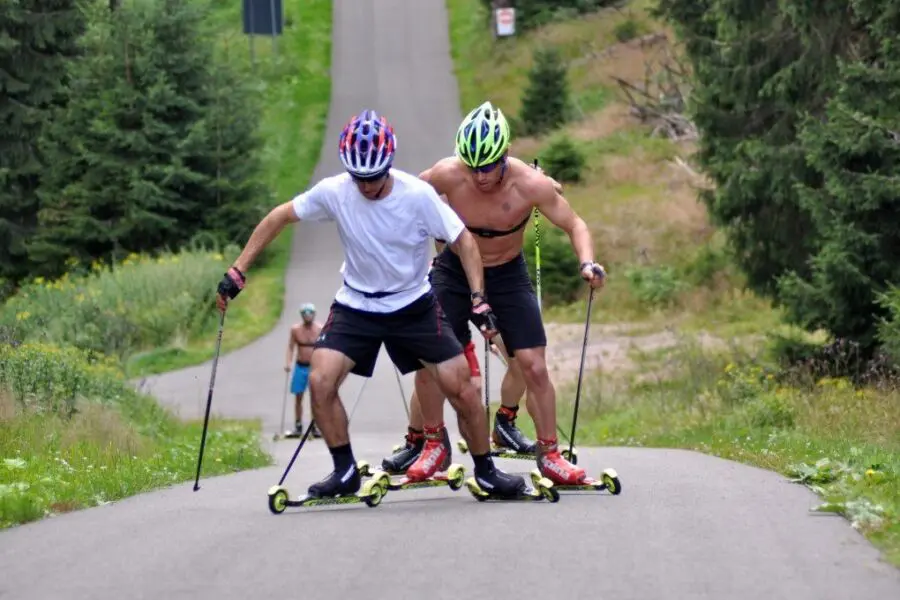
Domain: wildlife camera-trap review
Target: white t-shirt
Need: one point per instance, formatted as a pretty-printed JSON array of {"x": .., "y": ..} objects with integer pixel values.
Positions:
[{"x": 387, "y": 241}]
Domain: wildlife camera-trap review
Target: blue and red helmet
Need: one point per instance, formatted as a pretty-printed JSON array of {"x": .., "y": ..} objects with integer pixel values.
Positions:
[{"x": 367, "y": 145}]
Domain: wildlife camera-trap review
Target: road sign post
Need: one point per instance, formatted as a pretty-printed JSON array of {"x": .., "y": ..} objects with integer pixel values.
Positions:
[
  {"x": 505, "y": 18},
  {"x": 263, "y": 17}
]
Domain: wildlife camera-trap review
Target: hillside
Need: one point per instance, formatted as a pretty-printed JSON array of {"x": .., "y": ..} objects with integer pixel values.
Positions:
[{"x": 680, "y": 352}]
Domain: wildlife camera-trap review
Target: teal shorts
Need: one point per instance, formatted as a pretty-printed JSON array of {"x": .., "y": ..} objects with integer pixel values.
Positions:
[{"x": 300, "y": 378}]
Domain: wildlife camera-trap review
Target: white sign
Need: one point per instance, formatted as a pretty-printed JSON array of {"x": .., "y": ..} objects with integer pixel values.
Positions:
[{"x": 506, "y": 21}]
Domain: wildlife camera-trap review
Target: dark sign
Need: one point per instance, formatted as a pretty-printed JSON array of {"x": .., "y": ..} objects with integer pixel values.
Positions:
[{"x": 263, "y": 17}]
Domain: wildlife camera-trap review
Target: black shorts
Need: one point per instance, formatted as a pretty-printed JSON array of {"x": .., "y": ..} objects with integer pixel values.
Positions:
[
  {"x": 420, "y": 330},
  {"x": 509, "y": 292}
]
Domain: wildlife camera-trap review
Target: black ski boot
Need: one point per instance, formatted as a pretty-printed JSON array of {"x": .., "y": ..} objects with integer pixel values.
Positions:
[
  {"x": 403, "y": 458},
  {"x": 507, "y": 435},
  {"x": 499, "y": 484},
  {"x": 345, "y": 483}
]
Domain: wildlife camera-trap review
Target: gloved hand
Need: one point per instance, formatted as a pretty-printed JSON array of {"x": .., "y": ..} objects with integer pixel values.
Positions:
[
  {"x": 483, "y": 316},
  {"x": 230, "y": 286},
  {"x": 593, "y": 273}
]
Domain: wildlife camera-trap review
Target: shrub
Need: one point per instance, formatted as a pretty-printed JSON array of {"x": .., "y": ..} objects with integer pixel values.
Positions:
[
  {"x": 545, "y": 100},
  {"x": 139, "y": 303},
  {"x": 75, "y": 433},
  {"x": 49, "y": 378},
  {"x": 562, "y": 160},
  {"x": 560, "y": 282},
  {"x": 655, "y": 286},
  {"x": 626, "y": 30},
  {"x": 889, "y": 327}
]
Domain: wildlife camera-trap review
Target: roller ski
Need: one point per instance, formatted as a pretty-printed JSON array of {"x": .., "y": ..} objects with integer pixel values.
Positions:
[
  {"x": 501, "y": 487},
  {"x": 329, "y": 491},
  {"x": 431, "y": 467},
  {"x": 609, "y": 480}
]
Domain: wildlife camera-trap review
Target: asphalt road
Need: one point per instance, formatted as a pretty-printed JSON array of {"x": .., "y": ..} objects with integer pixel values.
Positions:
[{"x": 687, "y": 526}]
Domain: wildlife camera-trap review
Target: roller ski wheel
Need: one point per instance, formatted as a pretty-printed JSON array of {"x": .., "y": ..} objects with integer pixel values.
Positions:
[
  {"x": 501, "y": 452},
  {"x": 543, "y": 489},
  {"x": 608, "y": 481},
  {"x": 454, "y": 478},
  {"x": 371, "y": 494}
]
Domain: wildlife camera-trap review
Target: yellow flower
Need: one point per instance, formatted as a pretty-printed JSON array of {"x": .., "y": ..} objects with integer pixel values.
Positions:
[
  {"x": 22, "y": 315},
  {"x": 729, "y": 367}
]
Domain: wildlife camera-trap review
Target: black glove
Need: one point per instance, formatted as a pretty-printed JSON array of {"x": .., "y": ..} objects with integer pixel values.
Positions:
[
  {"x": 483, "y": 316},
  {"x": 232, "y": 284}
]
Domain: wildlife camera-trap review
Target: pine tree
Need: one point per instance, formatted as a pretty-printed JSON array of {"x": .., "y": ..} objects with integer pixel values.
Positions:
[
  {"x": 144, "y": 160},
  {"x": 856, "y": 145},
  {"x": 37, "y": 39},
  {"x": 545, "y": 101},
  {"x": 759, "y": 66}
]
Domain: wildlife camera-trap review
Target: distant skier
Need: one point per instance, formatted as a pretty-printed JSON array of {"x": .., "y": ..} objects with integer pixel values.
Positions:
[{"x": 300, "y": 342}]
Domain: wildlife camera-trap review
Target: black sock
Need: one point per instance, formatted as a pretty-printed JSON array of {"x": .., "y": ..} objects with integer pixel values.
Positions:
[
  {"x": 342, "y": 457},
  {"x": 484, "y": 464}
]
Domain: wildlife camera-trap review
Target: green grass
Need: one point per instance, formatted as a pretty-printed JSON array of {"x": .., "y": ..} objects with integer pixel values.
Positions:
[
  {"x": 295, "y": 82},
  {"x": 842, "y": 441},
  {"x": 75, "y": 434}
]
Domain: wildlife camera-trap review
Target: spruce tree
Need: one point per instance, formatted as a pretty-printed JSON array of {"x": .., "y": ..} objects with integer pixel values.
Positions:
[
  {"x": 856, "y": 146},
  {"x": 37, "y": 39},
  {"x": 758, "y": 68},
  {"x": 545, "y": 101},
  {"x": 144, "y": 159}
]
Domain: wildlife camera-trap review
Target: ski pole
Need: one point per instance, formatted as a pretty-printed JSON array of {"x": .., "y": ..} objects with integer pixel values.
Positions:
[
  {"x": 487, "y": 381},
  {"x": 280, "y": 433},
  {"x": 212, "y": 383},
  {"x": 587, "y": 328},
  {"x": 402, "y": 393},
  {"x": 537, "y": 250}
]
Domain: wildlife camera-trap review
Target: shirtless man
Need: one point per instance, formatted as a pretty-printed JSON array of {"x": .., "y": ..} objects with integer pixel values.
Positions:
[
  {"x": 300, "y": 342},
  {"x": 495, "y": 195}
]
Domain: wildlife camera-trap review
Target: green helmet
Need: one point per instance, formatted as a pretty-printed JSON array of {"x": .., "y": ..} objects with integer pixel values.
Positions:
[{"x": 483, "y": 136}]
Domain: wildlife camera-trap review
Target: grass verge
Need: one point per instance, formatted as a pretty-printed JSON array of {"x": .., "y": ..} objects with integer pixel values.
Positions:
[
  {"x": 75, "y": 434},
  {"x": 841, "y": 440},
  {"x": 295, "y": 81}
]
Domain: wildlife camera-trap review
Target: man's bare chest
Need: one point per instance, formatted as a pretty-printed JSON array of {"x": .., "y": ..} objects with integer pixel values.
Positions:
[{"x": 501, "y": 213}]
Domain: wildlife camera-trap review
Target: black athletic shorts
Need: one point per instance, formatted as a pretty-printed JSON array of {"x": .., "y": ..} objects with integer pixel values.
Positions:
[
  {"x": 509, "y": 292},
  {"x": 419, "y": 330}
]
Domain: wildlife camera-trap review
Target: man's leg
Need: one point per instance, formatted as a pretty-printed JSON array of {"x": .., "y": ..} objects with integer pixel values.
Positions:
[
  {"x": 405, "y": 455},
  {"x": 349, "y": 344},
  {"x": 298, "y": 412},
  {"x": 505, "y": 433},
  {"x": 542, "y": 406},
  {"x": 454, "y": 379},
  {"x": 455, "y": 307}
]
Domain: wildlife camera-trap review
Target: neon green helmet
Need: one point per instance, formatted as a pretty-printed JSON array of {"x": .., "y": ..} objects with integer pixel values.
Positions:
[{"x": 483, "y": 136}]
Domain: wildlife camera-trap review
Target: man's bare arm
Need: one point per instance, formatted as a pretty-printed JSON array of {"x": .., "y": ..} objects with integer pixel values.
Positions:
[
  {"x": 290, "y": 350},
  {"x": 467, "y": 248},
  {"x": 558, "y": 211},
  {"x": 267, "y": 230}
]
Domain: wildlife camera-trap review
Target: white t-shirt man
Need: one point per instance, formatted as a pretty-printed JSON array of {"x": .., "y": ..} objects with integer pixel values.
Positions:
[{"x": 386, "y": 241}]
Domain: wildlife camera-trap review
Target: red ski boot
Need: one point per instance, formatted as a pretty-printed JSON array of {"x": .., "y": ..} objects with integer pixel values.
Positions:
[
  {"x": 554, "y": 467},
  {"x": 434, "y": 457}
]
